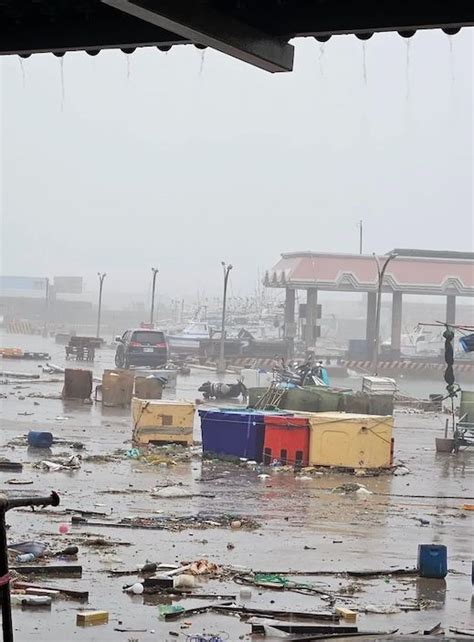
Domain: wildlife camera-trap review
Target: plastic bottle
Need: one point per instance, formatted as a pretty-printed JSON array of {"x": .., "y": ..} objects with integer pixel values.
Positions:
[{"x": 25, "y": 558}]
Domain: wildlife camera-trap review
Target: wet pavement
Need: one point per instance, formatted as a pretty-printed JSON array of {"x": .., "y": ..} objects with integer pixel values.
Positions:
[{"x": 303, "y": 526}]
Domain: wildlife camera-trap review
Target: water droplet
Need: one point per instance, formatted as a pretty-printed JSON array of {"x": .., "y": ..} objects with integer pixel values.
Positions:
[
  {"x": 321, "y": 58},
  {"x": 364, "y": 62},
  {"x": 61, "y": 71},
  {"x": 23, "y": 76},
  {"x": 201, "y": 66},
  {"x": 407, "y": 67},
  {"x": 451, "y": 62}
]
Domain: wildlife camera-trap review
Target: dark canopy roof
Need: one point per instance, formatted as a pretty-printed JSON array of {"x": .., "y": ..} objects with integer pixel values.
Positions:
[{"x": 256, "y": 31}]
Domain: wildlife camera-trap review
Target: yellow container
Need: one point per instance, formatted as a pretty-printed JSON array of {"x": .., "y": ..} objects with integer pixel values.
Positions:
[
  {"x": 350, "y": 440},
  {"x": 162, "y": 421}
]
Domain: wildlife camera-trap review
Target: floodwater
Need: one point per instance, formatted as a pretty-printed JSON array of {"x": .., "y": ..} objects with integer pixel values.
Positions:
[{"x": 303, "y": 526}]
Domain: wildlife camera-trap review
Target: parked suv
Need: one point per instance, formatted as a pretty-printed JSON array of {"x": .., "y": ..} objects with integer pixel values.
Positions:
[{"x": 141, "y": 348}]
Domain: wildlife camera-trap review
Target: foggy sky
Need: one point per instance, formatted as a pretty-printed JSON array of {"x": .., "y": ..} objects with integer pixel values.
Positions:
[{"x": 180, "y": 161}]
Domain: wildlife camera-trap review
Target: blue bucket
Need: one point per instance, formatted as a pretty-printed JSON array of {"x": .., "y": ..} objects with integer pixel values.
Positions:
[
  {"x": 38, "y": 439},
  {"x": 433, "y": 560}
]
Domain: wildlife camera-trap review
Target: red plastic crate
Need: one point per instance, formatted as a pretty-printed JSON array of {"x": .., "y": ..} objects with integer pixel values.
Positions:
[{"x": 286, "y": 440}]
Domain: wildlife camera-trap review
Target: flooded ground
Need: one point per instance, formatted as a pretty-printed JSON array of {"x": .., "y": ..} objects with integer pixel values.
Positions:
[{"x": 303, "y": 525}]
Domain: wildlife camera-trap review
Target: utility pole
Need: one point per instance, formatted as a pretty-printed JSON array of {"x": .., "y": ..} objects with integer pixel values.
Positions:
[
  {"x": 381, "y": 274},
  {"x": 46, "y": 305},
  {"x": 361, "y": 234},
  {"x": 155, "y": 272},
  {"x": 221, "y": 365},
  {"x": 99, "y": 312}
]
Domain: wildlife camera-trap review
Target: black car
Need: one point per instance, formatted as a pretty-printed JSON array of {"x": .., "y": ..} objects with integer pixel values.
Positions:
[{"x": 141, "y": 348}]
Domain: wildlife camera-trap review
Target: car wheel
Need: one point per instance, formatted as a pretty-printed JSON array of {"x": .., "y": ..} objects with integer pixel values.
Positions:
[
  {"x": 126, "y": 363},
  {"x": 119, "y": 359}
]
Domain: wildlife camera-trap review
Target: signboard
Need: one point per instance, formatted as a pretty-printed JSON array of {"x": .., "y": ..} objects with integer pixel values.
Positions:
[
  {"x": 303, "y": 310},
  {"x": 68, "y": 284},
  {"x": 23, "y": 283}
]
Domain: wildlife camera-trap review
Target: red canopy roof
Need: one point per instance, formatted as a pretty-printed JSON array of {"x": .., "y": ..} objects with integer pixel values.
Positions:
[{"x": 358, "y": 273}]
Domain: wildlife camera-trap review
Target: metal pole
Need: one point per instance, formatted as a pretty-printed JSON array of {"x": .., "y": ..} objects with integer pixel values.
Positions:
[
  {"x": 4, "y": 586},
  {"x": 99, "y": 312},
  {"x": 221, "y": 365},
  {"x": 155, "y": 271},
  {"x": 381, "y": 274},
  {"x": 360, "y": 235},
  {"x": 6, "y": 504}
]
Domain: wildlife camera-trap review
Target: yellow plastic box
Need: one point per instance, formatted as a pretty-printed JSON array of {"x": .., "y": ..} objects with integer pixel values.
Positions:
[
  {"x": 92, "y": 618},
  {"x": 162, "y": 421},
  {"x": 350, "y": 440}
]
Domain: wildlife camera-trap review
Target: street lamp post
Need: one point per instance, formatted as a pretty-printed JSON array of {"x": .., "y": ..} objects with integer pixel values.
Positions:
[
  {"x": 381, "y": 273},
  {"x": 99, "y": 312},
  {"x": 221, "y": 365},
  {"x": 155, "y": 272}
]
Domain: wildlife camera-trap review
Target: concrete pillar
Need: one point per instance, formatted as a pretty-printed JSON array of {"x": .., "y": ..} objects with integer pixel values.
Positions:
[
  {"x": 289, "y": 308},
  {"x": 370, "y": 325},
  {"x": 289, "y": 324},
  {"x": 311, "y": 317},
  {"x": 451, "y": 309},
  {"x": 396, "y": 339}
]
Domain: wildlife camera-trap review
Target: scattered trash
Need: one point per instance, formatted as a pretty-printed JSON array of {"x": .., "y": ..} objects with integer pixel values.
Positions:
[
  {"x": 170, "y": 609},
  {"x": 184, "y": 582},
  {"x": 347, "y": 489},
  {"x": 401, "y": 471},
  {"x": 52, "y": 570},
  {"x": 204, "y": 567},
  {"x": 382, "y": 610},
  {"x": 71, "y": 463},
  {"x": 12, "y": 466},
  {"x": 37, "y": 549},
  {"x": 245, "y": 594},
  {"x": 30, "y": 600},
  {"x": 175, "y": 522},
  {"x": 92, "y": 618},
  {"x": 346, "y": 614},
  {"x": 25, "y": 558},
  {"x": 172, "y": 492},
  {"x": 467, "y": 632},
  {"x": 136, "y": 589}
]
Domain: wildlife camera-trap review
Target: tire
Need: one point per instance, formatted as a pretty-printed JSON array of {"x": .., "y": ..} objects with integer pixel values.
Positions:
[{"x": 119, "y": 360}]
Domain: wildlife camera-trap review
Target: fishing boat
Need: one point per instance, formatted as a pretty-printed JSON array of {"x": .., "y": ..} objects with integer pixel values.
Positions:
[{"x": 189, "y": 339}]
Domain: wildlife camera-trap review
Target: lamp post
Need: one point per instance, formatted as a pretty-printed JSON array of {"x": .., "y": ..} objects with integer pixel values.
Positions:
[
  {"x": 221, "y": 365},
  {"x": 155, "y": 272},
  {"x": 381, "y": 273},
  {"x": 361, "y": 234},
  {"x": 99, "y": 312}
]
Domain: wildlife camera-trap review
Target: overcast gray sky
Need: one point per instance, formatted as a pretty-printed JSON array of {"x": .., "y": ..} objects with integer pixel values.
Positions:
[{"x": 180, "y": 161}]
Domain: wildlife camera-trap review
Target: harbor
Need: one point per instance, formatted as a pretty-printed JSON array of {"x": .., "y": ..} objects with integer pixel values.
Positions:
[{"x": 236, "y": 321}]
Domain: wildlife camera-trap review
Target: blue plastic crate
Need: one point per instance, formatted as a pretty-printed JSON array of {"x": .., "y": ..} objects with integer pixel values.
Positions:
[{"x": 233, "y": 433}]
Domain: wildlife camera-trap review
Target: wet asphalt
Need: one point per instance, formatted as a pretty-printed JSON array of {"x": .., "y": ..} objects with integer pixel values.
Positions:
[{"x": 303, "y": 525}]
